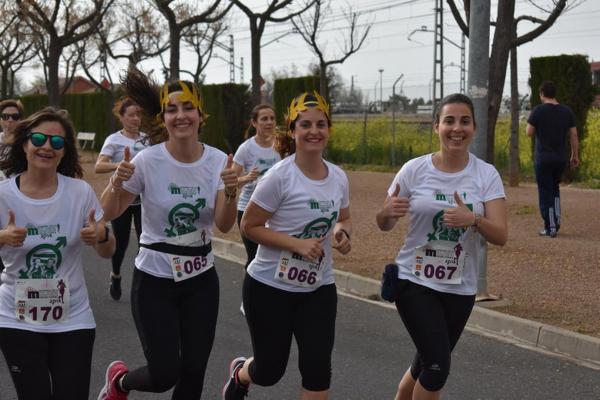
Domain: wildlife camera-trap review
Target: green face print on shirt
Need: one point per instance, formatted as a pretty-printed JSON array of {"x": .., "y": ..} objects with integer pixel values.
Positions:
[
  {"x": 318, "y": 228},
  {"x": 43, "y": 260},
  {"x": 182, "y": 217}
]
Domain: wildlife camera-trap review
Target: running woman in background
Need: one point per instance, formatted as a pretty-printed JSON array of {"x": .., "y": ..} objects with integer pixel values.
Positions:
[
  {"x": 454, "y": 200},
  {"x": 48, "y": 215},
  {"x": 252, "y": 160},
  {"x": 130, "y": 140},
  {"x": 185, "y": 187},
  {"x": 298, "y": 213}
]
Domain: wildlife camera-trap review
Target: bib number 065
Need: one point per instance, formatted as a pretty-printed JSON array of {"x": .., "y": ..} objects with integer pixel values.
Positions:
[{"x": 195, "y": 264}]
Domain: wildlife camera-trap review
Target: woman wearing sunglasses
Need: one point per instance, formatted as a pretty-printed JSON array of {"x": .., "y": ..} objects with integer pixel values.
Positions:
[
  {"x": 111, "y": 154},
  {"x": 47, "y": 215},
  {"x": 186, "y": 187},
  {"x": 11, "y": 112}
]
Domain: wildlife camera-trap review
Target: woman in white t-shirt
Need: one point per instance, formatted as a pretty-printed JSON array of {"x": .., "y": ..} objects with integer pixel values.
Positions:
[
  {"x": 185, "y": 187},
  {"x": 455, "y": 202},
  {"x": 111, "y": 154},
  {"x": 252, "y": 160},
  {"x": 47, "y": 328},
  {"x": 298, "y": 213}
]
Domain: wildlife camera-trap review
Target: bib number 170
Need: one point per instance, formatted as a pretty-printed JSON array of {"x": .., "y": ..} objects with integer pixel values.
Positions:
[{"x": 44, "y": 313}]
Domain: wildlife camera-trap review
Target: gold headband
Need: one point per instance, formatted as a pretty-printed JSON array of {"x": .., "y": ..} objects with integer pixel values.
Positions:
[
  {"x": 188, "y": 94},
  {"x": 300, "y": 104}
]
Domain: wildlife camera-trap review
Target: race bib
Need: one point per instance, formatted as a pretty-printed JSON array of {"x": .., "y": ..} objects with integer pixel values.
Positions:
[
  {"x": 440, "y": 261},
  {"x": 296, "y": 270},
  {"x": 42, "y": 301},
  {"x": 185, "y": 267}
]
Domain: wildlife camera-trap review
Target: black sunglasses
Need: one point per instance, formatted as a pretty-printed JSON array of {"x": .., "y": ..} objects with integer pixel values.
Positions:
[
  {"x": 14, "y": 117},
  {"x": 38, "y": 139}
]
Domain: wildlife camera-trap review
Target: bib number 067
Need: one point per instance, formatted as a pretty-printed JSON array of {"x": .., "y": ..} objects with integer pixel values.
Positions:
[{"x": 440, "y": 272}]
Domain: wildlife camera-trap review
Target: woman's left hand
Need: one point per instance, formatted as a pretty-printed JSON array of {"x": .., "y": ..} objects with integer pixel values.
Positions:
[
  {"x": 89, "y": 233},
  {"x": 341, "y": 242},
  {"x": 229, "y": 176},
  {"x": 459, "y": 216}
]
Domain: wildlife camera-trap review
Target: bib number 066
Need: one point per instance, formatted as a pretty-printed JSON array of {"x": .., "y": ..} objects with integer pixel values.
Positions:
[{"x": 302, "y": 275}]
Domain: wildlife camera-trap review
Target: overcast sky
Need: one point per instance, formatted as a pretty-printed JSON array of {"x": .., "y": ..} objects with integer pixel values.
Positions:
[{"x": 388, "y": 47}]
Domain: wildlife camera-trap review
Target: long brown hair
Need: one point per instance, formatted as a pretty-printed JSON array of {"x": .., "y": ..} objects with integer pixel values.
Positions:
[
  {"x": 146, "y": 94},
  {"x": 14, "y": 159}
]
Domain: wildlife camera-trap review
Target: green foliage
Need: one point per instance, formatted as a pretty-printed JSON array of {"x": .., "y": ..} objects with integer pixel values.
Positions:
[
  {"x": 228, "y": 106},
  {"x": 284, "y": 90},
  {"x": 501, "y": 146},
  {"x": 573, "y": 79},
  {"x": 590, "y": 150}
]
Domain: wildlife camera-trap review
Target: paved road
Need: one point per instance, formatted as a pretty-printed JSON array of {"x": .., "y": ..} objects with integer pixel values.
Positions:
[{"x": 372, "y": 351}]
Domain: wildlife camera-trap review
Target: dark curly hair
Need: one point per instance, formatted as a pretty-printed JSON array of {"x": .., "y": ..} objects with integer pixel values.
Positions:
[
  {"x": 146, "y": 94},
  {"x": 14, "y": 160}
]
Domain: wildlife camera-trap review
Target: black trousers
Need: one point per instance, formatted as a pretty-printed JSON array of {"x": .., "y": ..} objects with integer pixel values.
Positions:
[
  {"x": 250, "y": 246},
  {"x": 122, "y": 230},
  {"x": 548, "y": 176}
]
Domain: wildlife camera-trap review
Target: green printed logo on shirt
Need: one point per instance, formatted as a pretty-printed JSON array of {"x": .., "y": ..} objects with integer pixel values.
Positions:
[
  {"x": 182, "y": 217},
  {"x": 440, "y": 231},
  {"x": 184, "y": 191},
  {"x": 44, "y": 231},
  {"x": 318, "y": 228},
  {"x": 43, "y": 260}
]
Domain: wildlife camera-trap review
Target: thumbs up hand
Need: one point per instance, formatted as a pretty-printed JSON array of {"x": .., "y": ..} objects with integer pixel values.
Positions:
[
  {"x": 230, "y": 177},
  {"x": 124, "y": 171},
  {"x": 89, "y": 233},
  {"x": 12, "y": 234},
  {"x": 459, "y": 216},
  {"x": 395, "y": 206}
]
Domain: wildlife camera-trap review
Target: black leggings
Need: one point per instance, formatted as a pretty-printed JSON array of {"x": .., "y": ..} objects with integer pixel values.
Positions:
[
  {"x": 176, "y": 325},
  {"x": 122, "y": 229},
  {"x": 250, "y": 246},
  {"x": 435, "y": 321},
  {"x": 275, "y": 315},
  {"x": 49, "y": 366}
]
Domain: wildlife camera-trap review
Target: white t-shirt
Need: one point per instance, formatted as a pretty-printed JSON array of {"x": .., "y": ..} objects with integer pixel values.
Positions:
[
  {"x": 430, "y": 192},
  {"x": 52, "y": 248},
  {"x": 177, "y": 199},
  {"x": 114, "y": 146},
  {"x": 2, "y": 176},
  {"x": 252, "y": 155},
  {"x": 301, "y": 207}
]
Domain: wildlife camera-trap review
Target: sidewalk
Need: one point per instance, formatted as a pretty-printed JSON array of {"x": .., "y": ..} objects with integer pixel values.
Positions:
[{"x": 522, "y": 331}]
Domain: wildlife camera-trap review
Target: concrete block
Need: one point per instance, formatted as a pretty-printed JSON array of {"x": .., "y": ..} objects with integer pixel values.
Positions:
[
  {"x": 571, "y": 343},
  {"x": 505, "y": 325}
]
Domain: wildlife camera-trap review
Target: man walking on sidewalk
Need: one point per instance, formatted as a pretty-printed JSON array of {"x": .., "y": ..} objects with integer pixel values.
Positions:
[{"x": 551, "y": 123}]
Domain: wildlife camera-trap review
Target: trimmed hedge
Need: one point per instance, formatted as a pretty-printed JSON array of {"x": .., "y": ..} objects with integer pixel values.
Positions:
[
  {"x": 573, "y": 79},
  {"x": 284, "y": 90},
  {"x": 227, "y": 104}
]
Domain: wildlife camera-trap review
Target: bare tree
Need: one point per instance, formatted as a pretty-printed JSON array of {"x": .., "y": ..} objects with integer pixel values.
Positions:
[
  {"x": 56, "y": 25},
  {"x": 258, "y": 21},
  {"x": 202, "y": 39},
  {"x": 310, "y": 25},
  {"x": 15, "y": 47},
  {"x": 505, "y": 38},
  {"x": 181, "y": 15}
]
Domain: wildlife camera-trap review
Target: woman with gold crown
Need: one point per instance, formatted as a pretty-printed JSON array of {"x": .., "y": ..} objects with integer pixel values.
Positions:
[
  {"x": 185, "y": 186},
  {"x": 297, "y": 214}
]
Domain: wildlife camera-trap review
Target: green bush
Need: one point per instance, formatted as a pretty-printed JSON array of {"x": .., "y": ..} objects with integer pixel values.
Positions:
[{"x": 590, "y": 150}]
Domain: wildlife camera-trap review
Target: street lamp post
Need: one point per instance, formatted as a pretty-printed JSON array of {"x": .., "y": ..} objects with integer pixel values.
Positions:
[
  {"x": 395, "y": 103},
  {"x": 381, "y": 89}
]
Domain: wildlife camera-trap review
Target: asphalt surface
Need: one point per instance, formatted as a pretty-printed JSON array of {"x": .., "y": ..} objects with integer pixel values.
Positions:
[{"x": 372, "y": 351}]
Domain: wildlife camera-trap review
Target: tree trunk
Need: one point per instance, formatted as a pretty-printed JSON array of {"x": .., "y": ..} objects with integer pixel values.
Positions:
[
  {"x": 498, "y": 62},
  {"x": 255, "y": 48},
  {"x": 323, "y": 81},
  {"x": 4, "y": 76},
  {"x": 513, "y": 149},
  {"x": 53, "y": 88},
  {"x": 175, "y": 39}
]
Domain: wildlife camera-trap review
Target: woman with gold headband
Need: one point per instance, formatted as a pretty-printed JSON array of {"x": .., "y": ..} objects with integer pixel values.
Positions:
[
  {"x": 297, "y": 214},
  {"x": 185, "y": 186}
]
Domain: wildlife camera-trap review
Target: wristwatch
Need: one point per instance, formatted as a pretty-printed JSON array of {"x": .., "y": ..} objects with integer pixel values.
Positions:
[{"x": 106, "y": 232}]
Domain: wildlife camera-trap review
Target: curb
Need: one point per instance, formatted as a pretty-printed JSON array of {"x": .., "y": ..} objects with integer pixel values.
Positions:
[{"x": 535, "y": 334}]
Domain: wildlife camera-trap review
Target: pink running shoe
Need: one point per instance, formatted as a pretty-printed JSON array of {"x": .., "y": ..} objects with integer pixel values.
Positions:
[{"x": 114, "y": 372}]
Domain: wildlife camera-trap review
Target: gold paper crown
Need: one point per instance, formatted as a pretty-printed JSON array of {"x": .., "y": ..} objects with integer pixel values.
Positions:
[
  {"x": 300, "y": 104},
  {"x": 188, "y": 94}
]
